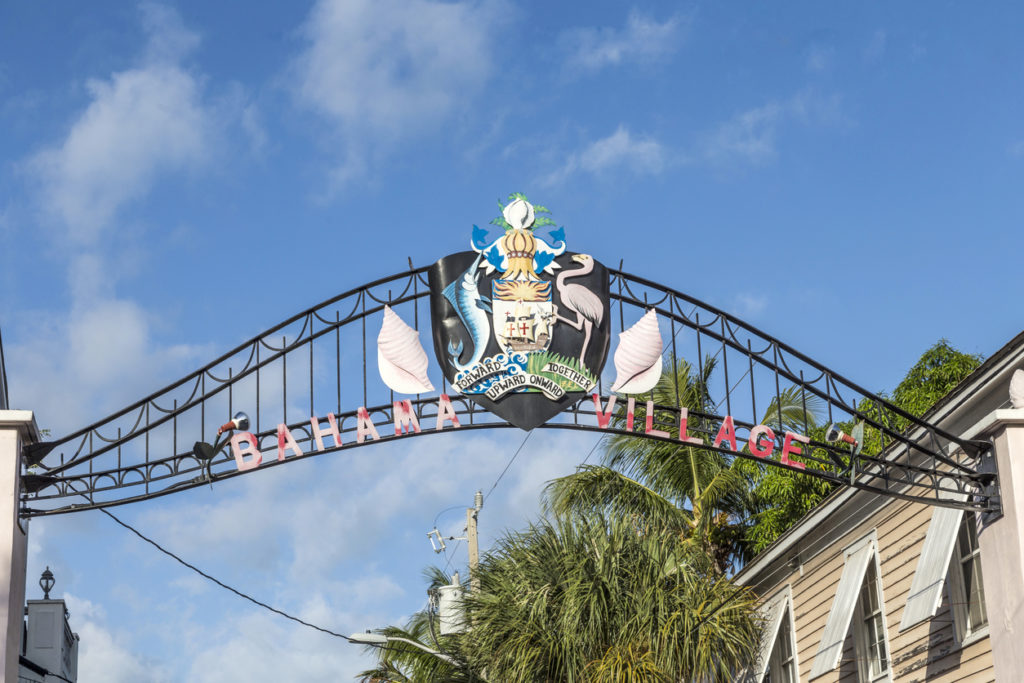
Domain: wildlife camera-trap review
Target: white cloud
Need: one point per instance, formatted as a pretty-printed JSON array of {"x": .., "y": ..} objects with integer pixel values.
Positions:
[
  {"x": 139, "y": 123},
  {"x": 808, "y": 107},
  {"x": 105, "y": 655},
  {"x": 619, "y": 151},
  {"x": 169, "y": 39},
  {"x": 97, "y": 357},
  {"x": 750, "y": 136},
  {"x": 262, "y": 647},
  {"x": 747, "y": 304},
  {"x": 875, "y": 49},
  {"x": 819, "y": 58},
  {"x": 345, "y": 505},
  {"x": 365, "y": 512},
  {"x": 252, "y": 124},
  {"x": 642, "y": 39},
  {"x": 747, "y": 137},
  {"x": 383, "y": 71}
]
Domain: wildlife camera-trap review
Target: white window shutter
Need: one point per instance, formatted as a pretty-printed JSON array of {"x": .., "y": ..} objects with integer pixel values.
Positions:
[
  {"x": 933, "y": 564},
  {"x": 771, "y": 613},
  {"x": 838, "y": 624}
]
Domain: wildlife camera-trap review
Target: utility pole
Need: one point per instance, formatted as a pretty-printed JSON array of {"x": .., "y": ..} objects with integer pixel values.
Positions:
[{"x": 473, "y": 542}]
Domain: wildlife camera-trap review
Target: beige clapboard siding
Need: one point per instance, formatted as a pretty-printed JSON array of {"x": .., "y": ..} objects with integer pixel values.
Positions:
[
  {"x": 924, "y": 640},
  {"x": 927, "y": 651},
  {"x": 821, "y": 580},
  {"x": 972, "y": 664}
]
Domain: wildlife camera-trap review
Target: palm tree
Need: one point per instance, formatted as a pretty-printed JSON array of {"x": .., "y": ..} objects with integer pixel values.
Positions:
[
  {"x": 697, "y": 493},
  {"x": 403, "y": 663},
  {"x": 591, "y": 599}
]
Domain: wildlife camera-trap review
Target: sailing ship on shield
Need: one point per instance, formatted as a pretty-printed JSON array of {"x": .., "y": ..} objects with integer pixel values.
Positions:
[
  {"x": 520, "y": 324},
  {"x": 526, "y": 328}
]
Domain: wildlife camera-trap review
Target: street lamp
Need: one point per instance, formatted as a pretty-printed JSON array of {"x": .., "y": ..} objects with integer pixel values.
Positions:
[
  {"x": 205, "y": 452},
  {"x": 46, "y": 583},
  {"x": 380, "y": 640}
]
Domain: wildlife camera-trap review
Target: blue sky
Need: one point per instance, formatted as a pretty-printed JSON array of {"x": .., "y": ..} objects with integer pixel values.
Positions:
[{"x": 176, "y": 178}]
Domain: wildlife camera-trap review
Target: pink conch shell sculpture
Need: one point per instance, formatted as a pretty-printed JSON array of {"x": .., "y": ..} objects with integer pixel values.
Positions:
[
  {"x": 400, "y": 356},
  {"x": 638, "y": 357}
]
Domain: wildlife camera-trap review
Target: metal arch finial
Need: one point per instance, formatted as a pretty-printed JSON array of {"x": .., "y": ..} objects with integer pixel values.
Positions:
[
  {"x": 46, "y": 582},
  {"x": 1017, "y": 389}
]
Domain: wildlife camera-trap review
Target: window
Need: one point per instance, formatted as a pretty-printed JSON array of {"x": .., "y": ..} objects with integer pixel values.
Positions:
[
  {"x": 966, "y": 589},
  {"x": 777, "y": 657},
  {"x": 950, "y": 549},
  {"x": 782, "y": 663},
  {"x": 858, "y": 600},
  {"x": 872, "y": 650}
]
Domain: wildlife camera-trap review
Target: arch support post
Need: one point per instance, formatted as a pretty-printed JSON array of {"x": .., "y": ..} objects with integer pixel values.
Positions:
[
  {"x": 1002, "y": 544},
  {"x": 17, "y": 430}
]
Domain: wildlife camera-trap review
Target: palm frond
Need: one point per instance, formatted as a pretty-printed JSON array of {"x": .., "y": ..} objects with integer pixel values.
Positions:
[
  {"x": 591, "y": 598},
  {"x": 598, "y": 489}
]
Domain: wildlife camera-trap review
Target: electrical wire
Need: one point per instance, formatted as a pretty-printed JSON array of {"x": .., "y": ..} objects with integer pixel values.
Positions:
[
  {"x": 451, "y": 556},
  {"x": 221, "y": 583},
  {"x": 598, "y": 443},
  {"x": 448, "y": 509},
  {"x": 5, "y": 400},
  {"x": 489, "y": 492},
  {"x": 511, "y": 460}
]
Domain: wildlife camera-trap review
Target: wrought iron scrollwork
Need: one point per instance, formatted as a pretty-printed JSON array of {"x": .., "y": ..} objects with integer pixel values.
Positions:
[{"x": 321, "y": 360}]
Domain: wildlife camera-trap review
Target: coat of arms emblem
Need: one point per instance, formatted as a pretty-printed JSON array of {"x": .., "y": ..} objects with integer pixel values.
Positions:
[{"x": 520, "y": 324}]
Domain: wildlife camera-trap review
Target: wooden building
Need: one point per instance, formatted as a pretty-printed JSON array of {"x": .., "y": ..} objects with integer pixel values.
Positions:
[{"x": 868, "y": 588}]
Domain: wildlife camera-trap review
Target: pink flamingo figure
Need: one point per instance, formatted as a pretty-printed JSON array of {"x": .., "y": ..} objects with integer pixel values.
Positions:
[{"x": 584, "y": 303}]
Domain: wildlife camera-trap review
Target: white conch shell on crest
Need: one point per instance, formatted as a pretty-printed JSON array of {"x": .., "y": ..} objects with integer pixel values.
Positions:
[
  {"x": 638, "y": 361},
  {"x": 1017, "y": 389},
  {"x": 400, "y": 356},
  {"x": 519, "y": 214}
]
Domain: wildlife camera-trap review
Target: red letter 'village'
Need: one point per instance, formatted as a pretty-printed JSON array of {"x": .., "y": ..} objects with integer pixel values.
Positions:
[{"x": 761, "y": 442}]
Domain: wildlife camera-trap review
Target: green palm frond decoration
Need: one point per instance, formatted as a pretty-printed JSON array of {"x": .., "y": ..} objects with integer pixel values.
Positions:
[
  {"x": 538, "y": 222},
  {"x": 536, "y": 361}
]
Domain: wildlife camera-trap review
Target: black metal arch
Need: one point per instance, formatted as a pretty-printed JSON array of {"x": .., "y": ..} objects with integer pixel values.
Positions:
[{"x": 321, "y": 354}]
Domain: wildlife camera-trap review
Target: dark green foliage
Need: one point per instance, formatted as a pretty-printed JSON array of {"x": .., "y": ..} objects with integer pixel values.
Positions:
[
  {"x": 628, "y": 580},
  {"x": 781, "y": 497},
  {"x": 586, "y": 599},
  {"x": 700, "y": 494},
  {"x": 938, "y": 371},
  {"x": 402, "y": 663},
  {"x": 592, "y": 599}
]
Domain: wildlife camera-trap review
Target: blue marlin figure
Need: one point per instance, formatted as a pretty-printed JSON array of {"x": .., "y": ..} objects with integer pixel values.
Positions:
[{"x": 472, "y": 308}]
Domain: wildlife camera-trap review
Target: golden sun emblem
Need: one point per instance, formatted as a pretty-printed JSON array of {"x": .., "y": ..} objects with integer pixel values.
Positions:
[{"x": 522, "y": 290}]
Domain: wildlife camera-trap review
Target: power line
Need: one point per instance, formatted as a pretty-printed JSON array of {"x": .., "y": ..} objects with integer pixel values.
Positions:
[
  {"x": 489, "y": 492},
  {"x": 448, "y": 509},
  {"x": 451, "y": 556},
  {"x": 4, "y": 398},
  {"x": 218, "y": 582},
  {"x": 511, "y": 460},
  {"x": 598, "y": 443}
]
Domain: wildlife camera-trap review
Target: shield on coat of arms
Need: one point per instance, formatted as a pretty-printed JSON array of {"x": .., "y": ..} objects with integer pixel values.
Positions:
[{"x": 521, "y": 326}]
